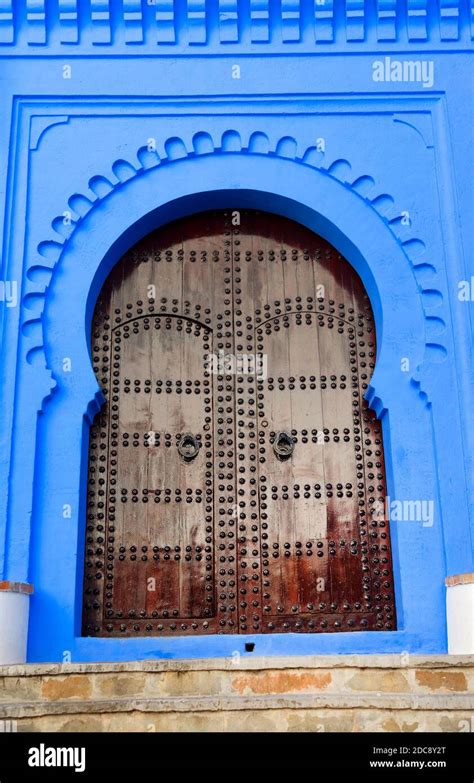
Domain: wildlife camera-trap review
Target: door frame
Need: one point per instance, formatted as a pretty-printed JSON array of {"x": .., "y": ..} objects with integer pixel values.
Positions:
[{"x": 69, "y": 400}]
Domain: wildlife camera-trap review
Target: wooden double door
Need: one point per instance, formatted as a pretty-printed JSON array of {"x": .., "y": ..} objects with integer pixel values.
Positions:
[{"x": 236, "y": 475}]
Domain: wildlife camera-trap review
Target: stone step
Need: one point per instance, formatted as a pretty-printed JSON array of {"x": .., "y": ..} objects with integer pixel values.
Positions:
[
  {"x": 212, "y": 703},
  {"x": 428, "y": 693}
]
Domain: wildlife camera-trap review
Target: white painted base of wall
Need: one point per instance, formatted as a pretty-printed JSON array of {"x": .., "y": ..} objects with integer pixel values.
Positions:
[
  {"x": 14, "y": 610},
  {"x": 460, "y": 617}
]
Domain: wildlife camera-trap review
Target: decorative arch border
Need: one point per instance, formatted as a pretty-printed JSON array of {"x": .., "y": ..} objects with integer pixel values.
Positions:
[
  {"x": 40, "y": 272},
  {"x": 193, "y": 169}
]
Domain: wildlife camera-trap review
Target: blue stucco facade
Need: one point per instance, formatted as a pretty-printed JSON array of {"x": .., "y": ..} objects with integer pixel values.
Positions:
[{"x": 119, "y": 117}]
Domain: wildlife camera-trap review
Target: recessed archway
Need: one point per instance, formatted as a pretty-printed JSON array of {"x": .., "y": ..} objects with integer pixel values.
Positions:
[{"x": 352, "y": 226}]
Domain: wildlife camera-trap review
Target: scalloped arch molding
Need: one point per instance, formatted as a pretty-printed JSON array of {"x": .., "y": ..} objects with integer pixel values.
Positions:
[{"x": 174, "y": 149}]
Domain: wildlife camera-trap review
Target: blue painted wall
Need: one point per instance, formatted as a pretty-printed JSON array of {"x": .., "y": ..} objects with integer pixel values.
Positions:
[{"x": 351, "y": 118}]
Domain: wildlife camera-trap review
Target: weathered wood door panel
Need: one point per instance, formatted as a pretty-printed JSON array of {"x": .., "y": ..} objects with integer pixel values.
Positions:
[{"x": 224, "y": 499}]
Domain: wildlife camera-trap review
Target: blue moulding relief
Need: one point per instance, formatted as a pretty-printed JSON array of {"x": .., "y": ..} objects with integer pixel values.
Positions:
[
  {"x": 142, "y": 134},
  {"x": 249, "y": 167}
]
